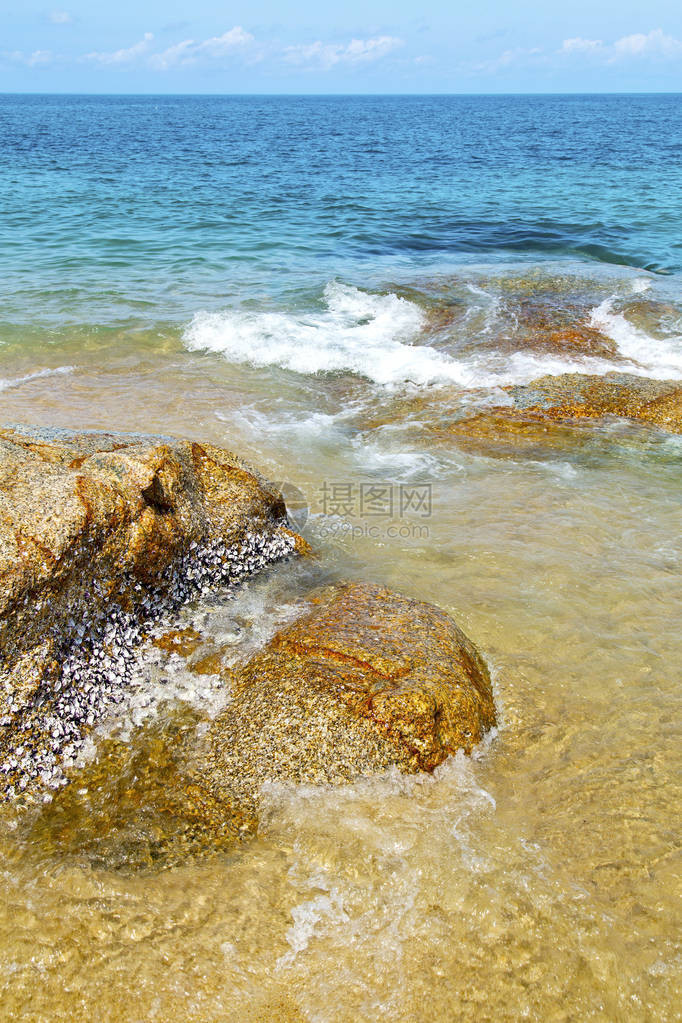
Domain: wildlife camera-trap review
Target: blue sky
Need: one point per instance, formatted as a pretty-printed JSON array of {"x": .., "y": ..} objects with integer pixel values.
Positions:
[{"x": 370, "y": 46}]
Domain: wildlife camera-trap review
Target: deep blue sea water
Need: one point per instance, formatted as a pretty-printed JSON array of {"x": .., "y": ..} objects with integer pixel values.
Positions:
[
  {"x": 152, "y": 207},
  {"x": 279, "y": 230}
]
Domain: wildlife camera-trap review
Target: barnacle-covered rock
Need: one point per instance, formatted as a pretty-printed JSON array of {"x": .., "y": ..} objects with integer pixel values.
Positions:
[
  {"x": 99, "y": 534},
  {"x": 364, "y": 680}
]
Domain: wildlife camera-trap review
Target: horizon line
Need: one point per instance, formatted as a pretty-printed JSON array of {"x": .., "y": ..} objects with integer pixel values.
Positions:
[{"x": 236, "y": 95}]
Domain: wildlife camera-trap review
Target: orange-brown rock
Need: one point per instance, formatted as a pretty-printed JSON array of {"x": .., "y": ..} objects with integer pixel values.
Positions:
[
  {"x": 539, "y": 313},
  {"x": 134, "y": 808},
  {"x": 574, "y": 396},
  {"x": 364, "y": 681},
  {"x": 179, "y": 641},
  {"x": 542, "y": 325},
  {"x": 92, "y": 520},
  {"x": 210, "y": 664},
  {"x": 551, "y": 411}
]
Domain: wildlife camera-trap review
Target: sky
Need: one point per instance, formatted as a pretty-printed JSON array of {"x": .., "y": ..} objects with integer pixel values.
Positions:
[{"x": 366, "y": 46}]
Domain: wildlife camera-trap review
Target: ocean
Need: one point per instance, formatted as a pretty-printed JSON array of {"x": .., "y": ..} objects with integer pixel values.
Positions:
[{"x": 331, "y": 286}]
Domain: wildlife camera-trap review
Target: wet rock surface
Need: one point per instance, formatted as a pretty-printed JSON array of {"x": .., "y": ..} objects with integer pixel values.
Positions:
[
  {"x": 538, "y": 314},
  {"x": 553, "y": 413},
  {"x": 103, "y": 538},
  {"x": 135, "y": 808},
  {"x": 581, "y": 396},
  {"x": 362, "y": 681},
  {"x": 365, "y": 681},
  {"x": 100, "y": 535}
]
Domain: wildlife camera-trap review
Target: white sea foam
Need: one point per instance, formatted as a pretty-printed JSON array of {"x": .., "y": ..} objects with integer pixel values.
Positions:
[
  {"x": 394, "y": 463},
  {"x": 491, "y": 306},
  {"x": 286, "y": 423},
  {"x": 356, "y": 332},
  {"x": 310, "y": 917},
  {"x": 238, "y": 627},
  {"x": 5, "y": 384},
  {"x": 329, "y": 827},
  {"x": 496, "y": 370},
  {"x": 371, "y": 335},
  {"x": 653, "y": 357}
]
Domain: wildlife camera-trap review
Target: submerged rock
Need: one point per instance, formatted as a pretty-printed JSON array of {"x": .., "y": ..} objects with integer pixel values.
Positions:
[
  {"x": 543, "y": 325},
  {"x": 365, "y": 681},
  {"x": 99, "y": 534},
  {"x": 134, "y": 807},
  {"x": 535, "y": 314},
  {"x": 580, "y": 396},
  {"x": 553, "y": 413},
  {"x": 555, "y": 410}
]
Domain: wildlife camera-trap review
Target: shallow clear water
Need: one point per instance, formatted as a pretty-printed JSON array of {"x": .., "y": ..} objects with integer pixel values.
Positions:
[{"x": 278, "y": 276}]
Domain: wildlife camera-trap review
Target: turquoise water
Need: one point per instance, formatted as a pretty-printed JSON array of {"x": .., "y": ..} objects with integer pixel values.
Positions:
[{"x": 147, "y": 209}]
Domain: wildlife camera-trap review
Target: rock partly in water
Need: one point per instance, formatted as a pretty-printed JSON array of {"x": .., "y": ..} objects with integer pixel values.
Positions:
[
  {"x": 135, "y": 808},
  {"x": 545, "y": 321},
  {"x": 100, "y": 533},
  {"x": 544, "y": 327},
  {"x": 365, "y": 681},
  {"x": 574, "y": 396},
  {"x": 553, "y": 413},
  {"x": 540, "y": 314}
]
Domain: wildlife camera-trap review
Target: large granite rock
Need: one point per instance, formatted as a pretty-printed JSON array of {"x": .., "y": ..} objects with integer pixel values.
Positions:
[
  {"x": 364, "y": 681},
  {"x": 100, "y": 532}
]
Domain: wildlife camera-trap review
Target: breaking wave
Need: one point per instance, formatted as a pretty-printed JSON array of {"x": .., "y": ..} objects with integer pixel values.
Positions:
[{"x": 374, "y": 336}]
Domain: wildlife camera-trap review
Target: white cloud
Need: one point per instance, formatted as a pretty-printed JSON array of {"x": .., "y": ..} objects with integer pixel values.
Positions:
[
  {"x": 236, "y": 43},
  {"x": 39, "y": 58},
  {"x": 189, "y": 51},
  {"x": 518, "y": 57},
  {"x": 60, "y": 17},
  {"x": 328, "y": 55},
  {"x": 580, "y": 45},
  {"x": 121, "y": 57},
  {"x": 218, "y": 46},
  {"x": 654, "y": 45},
  {"x": 179, "y": 53}
]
